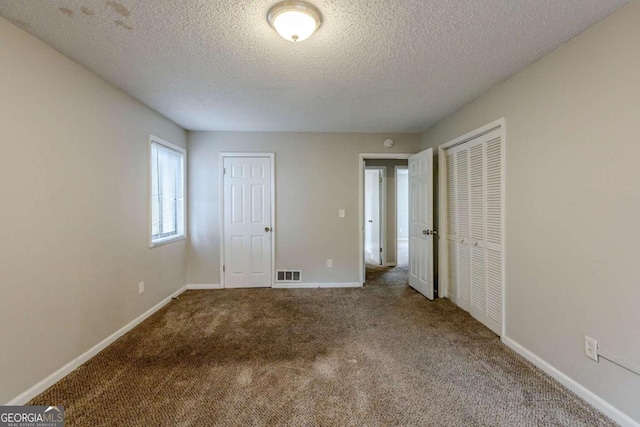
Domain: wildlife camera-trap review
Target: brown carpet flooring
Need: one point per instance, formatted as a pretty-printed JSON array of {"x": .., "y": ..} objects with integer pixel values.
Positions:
[{"x": 378, "y": 356}]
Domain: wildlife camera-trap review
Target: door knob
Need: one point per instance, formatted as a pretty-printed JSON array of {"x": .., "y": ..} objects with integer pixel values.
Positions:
[
  {"x": 267, "y": 229},
  {"x": 370, "y": 220},
  {"x": 427, "y": 232}
]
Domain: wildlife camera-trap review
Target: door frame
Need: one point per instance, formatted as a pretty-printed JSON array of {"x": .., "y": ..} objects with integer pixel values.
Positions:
[
  {"x": 443, "y": 250},
  {"x": 272, "y": 157},
  {"x": 383, "y": 211},
  {"x": 361, "y": 158}
]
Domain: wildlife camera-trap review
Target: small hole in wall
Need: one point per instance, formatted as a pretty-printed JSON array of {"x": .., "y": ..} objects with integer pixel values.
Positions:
[
  {"x": 122, "y": 24},
  {"x": 119, "y": 8},
  {"x": 66, "y": 11},
  {"x": 87, "y": 11}
]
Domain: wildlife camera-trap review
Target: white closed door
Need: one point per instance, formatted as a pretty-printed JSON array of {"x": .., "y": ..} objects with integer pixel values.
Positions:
[
  {"x": 247, "y": 222},
  {"x": 421, "y": 232},
  {"x": 372, "y": 215}
]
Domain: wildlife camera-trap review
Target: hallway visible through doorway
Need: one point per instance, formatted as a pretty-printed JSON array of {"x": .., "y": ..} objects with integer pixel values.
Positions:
[
  {"x": 386, "y": 221},
  {"x": 397, "y": 275}
]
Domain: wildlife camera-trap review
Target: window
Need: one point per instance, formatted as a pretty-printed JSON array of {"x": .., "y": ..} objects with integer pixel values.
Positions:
[{"x": 167, "y": 192}]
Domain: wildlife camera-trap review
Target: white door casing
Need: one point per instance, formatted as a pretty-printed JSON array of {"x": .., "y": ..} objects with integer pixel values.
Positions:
[
  {"x": 421, "y": 232},
  {"x": 247, "y": 222}
]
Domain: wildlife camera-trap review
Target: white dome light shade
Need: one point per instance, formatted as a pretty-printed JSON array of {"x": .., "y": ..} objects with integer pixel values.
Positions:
[
  {"x": 295, "y": 20},
  {"x": 294, "y": 26}
]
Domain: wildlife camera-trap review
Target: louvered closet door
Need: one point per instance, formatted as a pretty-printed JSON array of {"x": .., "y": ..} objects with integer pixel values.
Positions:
[
  {"x": 476, "y": 240},
  {"x": 462, "y": 215},
  {"x": 452, "y": 246},
  {"x": 495, "y": 239},
  {"x": 474, "y": 227}
]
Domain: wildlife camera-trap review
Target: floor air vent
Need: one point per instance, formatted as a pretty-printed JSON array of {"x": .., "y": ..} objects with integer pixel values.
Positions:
[{"x": 288, "y": 276}]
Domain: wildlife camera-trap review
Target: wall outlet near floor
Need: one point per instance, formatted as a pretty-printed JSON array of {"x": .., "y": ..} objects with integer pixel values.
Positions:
[
  {"x": 591, "y": 348},
  {"x": 140, "y": 288},
  {"x": 329, "y": 263}
]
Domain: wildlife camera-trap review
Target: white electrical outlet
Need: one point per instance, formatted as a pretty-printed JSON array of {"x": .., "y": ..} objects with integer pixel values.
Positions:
[
  {"x": 341, "y": 213},
  {"x": 140, "y": 288},
  {"x": 591, "y": 348},
  {"x": 329, "y": 263}
]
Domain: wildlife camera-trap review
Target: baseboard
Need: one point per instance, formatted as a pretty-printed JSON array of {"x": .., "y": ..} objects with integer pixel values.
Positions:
[
  {"x": 315, "y": 285},
  {"x": 201, "y": 287},
  {"x": 340, "y": 285},
  {"x": 294, "y": 286},
  {"x": 390, "y": 264},
  {"x": 47, "y": 382},
  {"x": 594, "y": 400}
]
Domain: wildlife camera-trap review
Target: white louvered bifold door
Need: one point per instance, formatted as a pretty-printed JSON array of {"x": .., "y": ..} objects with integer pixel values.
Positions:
[
  {"x": 452, "y": 247},
  {"x": 495, "y": 239},
  {"x": 474, "y": 216},
  {"x": 462, "y": 215},
  {"x": 476, "y": 240}
]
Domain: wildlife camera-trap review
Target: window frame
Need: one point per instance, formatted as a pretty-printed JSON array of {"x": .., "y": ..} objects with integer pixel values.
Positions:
[{"x": 183, "y": 152}]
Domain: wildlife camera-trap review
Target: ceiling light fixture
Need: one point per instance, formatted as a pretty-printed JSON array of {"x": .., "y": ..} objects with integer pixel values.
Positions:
[{"x": 295, "y": 20}]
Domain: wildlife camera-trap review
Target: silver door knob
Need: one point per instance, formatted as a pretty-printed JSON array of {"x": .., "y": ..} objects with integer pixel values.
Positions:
[
  {"x": 370, "y": 220},
  {"x": 267, "y": 229},
  {"x": 424, "y": 231}
]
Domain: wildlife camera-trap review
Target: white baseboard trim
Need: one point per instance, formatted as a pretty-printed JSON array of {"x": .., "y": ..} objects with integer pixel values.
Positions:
[
  {"x": 315, "y": 285},
  {"x": 594, "y": 400},
  {"x": 216, "y": 286},
  {"x": 294, "y": 286},
  {"x": 340, "y": 285},
  {"x": 47, "y": 382}
]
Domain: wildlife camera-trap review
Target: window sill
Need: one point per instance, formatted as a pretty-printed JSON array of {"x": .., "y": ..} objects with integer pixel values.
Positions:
[{"x": 166, "y": 241}]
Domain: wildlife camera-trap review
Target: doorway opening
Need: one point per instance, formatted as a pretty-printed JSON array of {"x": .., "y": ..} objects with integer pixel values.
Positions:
[
  {"x": 374, "y": 213},
  {"x": 402, "y": 217},
  {"x": 385, "y": 253}
]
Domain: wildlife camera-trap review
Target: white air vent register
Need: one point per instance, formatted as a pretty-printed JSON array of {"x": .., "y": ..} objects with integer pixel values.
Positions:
[{"x": 288, "y": 276}]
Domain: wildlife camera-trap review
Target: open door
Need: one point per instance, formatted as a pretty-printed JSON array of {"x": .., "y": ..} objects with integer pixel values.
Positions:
[
  {"x": 373, "y": 216},
  {"x": 421, "y": 232}
]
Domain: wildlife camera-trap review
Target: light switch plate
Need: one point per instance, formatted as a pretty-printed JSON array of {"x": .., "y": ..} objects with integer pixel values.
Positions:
[{"x": 341, "y": 213}]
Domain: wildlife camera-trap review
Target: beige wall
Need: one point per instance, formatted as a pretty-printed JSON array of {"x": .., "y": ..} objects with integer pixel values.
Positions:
[
  {"x": 73, "y": 229},
  {"x": 573, "y": 202},
  {"x": 316, "y": 174},
  {"x": 391, "y": 210}
]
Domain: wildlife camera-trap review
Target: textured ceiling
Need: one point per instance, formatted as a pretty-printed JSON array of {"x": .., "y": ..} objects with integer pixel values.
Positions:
[{"x": 374, "y": 65}]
